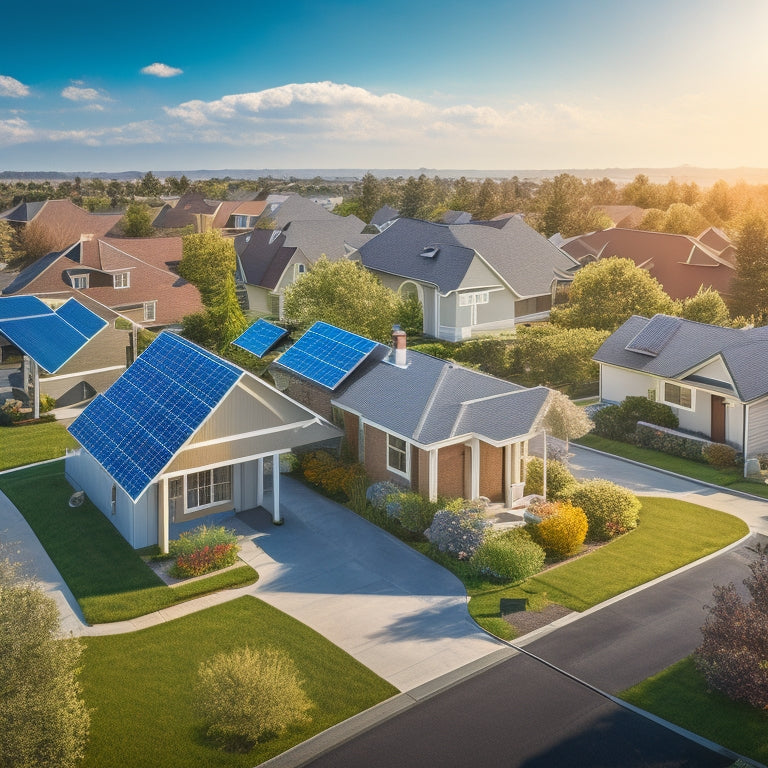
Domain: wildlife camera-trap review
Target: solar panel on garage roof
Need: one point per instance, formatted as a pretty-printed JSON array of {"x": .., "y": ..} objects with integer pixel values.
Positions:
[
  {"x": 655, "y": 336},
  {"x": 87, "y": 322},
  {"x": 260, "y": 337},
  {"x": 326, "y": 354},
  {"x": 138, "y": 425}
]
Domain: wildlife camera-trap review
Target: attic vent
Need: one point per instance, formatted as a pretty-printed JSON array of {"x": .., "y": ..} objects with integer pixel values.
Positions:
[
  {"x": 274, "y": 236},
  {"x": 430, "y": 251}
]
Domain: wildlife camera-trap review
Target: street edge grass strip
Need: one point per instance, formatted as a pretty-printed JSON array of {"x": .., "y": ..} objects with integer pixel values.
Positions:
[
  {"x": 106, "y": 575},
  {"x": 680, "y": 695}
]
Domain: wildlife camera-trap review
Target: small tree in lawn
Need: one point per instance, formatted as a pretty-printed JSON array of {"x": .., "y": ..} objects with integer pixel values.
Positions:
[
  {"x": 43, "y": 720},
  {"x": 564, "y": 419},
  {"x": 734, "y": 654}
]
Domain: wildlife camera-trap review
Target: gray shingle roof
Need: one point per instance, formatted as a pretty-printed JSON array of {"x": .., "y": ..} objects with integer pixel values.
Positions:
[
  {"x": 23, "y": 212},
  {"x": 316, "y": 238},
  {"x": 383, "y": 215},
  {"x": 434, "y": 400},
  {"x": 28, "y": 274},
  {"x": 526, "y": 260},
  {"x": 263, "y": 261},
  {"x": 744, "y": 351}
]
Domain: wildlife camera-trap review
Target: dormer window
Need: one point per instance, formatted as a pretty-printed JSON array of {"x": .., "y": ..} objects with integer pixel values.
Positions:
[
  {"x": 121, "y": 280},
  {"x": 79, "y": 282}
]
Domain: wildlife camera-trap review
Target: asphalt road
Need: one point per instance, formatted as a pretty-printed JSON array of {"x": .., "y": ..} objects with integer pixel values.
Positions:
[{"x": 524, "y": 713}]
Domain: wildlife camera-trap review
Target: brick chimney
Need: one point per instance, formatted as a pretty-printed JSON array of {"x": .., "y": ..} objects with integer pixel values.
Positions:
[{"x": 398, "y": 355}]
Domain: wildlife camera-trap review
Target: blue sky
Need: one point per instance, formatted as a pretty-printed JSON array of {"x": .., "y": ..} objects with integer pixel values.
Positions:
[{"x": 495, "y": 85}]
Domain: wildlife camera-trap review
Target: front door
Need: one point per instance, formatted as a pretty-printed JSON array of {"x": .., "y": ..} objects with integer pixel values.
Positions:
[{"x": 717, "y": 425}]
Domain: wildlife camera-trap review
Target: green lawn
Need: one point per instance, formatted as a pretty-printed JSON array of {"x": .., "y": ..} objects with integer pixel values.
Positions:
[
  {"x": 140, "y": 685},
  {"x": 728, "y": 478},
  {"x": 107, "y": 577},
  {"x": 30, "y": 443},
  {"x": 679, "y": 694},
  {"x": 670, "y": 534}
]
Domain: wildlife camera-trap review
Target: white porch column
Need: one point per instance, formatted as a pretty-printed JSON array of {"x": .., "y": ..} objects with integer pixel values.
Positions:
[
  {"x": 259, "y": 482},
  {"x": 516, "y": 471},
  {"x": 36, "y": 385},
  {"x": 475, "y": 471},
  {"x": 276, "y": 490},
  {"x": 162, "y": 515},
  {"x": 433, "y": 470},
  {"x": 508, "y": 477}
]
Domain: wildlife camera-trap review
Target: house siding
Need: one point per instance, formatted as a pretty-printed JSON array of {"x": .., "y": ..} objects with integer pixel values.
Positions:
[
  {"x": 618, "y": 383},
  {"x": 757, "y": 421},
  {"x": 258, "y": 299},
  {"x": 451, "y": 471}
]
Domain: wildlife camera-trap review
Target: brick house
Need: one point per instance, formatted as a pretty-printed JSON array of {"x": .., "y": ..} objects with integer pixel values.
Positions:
[{"x": 429, "y": 424}]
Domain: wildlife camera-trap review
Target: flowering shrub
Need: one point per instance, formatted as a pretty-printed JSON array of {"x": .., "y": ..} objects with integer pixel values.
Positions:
[
  {"x": 204, "y": 549},
  {"x": 457, "y": 532},
  {"x": 248, "y": 695},
  {"x": 411, "y": 510},
  {"x": 508, "y": 556},
  {"x": 719, "y": 455},
  {"x": 329, "y": 473},
  {"x": 558, "y": 477},
  {"x": 562, "y": 529},
  {"x": 610, "y": 509},
  {"x": 378, "y": 492}
]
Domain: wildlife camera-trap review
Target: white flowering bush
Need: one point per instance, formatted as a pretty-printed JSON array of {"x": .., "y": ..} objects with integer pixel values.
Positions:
[
  {"x": 457, "y": 532},
  {"x": 378, "y": 492}
]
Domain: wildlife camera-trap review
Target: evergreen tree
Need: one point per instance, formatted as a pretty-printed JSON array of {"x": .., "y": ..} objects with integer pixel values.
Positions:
[{"x": 749, "y": 288}]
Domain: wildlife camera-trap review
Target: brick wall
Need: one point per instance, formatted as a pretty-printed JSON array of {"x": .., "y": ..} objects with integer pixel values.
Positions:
[
  {"x": 450, "y": 471},
  {"x": 492, "y": 472},
  {"x": 376, "y": 457}
]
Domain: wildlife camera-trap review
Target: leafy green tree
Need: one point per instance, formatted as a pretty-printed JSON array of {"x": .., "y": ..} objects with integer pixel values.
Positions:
[
  {"x": 370, "y": 197},
  {"x": 679, "y": 219},
  {"x": 707, "y": 306},
  {"x": 718, "y": 205},
  {"x": 43, "y": 720},
  {"x": 345, "y": 294},
  {"x": 565, "y": 420},
  {"x": 568, "y": 208},
  {"x": 644, "y": 194},
  {"x": 464, "y": 196},
  {"x": 488, "y": 203},
  {"x": 654, "y": 220},
  {"x": 411, "y": 315},
  {"x": 8, "y": 242},
  {"x": 416, "y": 200},
  {"x": 137, "y": 221},
  {"x": 607, "y": 292},
  {"x": 749, "y": 288},
  {"x": 150, "y": 185}
]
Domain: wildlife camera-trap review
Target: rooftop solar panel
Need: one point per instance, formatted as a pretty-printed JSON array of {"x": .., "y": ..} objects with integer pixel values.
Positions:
[
  {"x": 138, "y": 425},
  {"x": 259, "y": 338},
  {"x": 326, "y": 354},
  {"x": 655, "y": 336},
  {"x": 80, "y": 317},
  {"x": 13, "y": 307}
]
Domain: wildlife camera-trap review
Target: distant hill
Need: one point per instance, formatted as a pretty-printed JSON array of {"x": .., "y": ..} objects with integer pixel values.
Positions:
[{"x": 685, "y": 173}]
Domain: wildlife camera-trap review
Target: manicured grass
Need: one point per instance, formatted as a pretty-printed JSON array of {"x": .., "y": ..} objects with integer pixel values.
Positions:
[
  {"x": 140, "y": 686},
  {"x": 30, "y": 443},
  {"x": 728, "y": 478},
  {"x": 107, "y": 577},
  {"x": 679, "y": 694},
  {"x": 671, "y": 534}
]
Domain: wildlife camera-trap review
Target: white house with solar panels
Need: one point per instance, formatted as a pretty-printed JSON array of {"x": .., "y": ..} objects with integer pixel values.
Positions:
[
  {"x": 713, "y": 378},
  {"x": 48, "y": 339},
  {"x": 182, "y": 438}
]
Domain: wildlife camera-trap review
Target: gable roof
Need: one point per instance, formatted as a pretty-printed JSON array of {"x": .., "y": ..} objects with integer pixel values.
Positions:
[
  {"x": 188, "y": 207},
  {"x": 681, "y": 263},
  {"x": 283, "y": 209},
  {"x": 383, "y": 215},
  {"x": 66, "y": 221},
  {"x": 433, "y": 400},
  {"x": 688, "y": 345},
  {"x": 229, "y": 208},
  {"x": 23, "y": 213},
  {"x": 50, "y": 337},
  {"x": 137, "y": 427},
  {"x": 262, "y": 257},
  {"x": 318, "y": 238},
  {"x": 440, "y": 254}
]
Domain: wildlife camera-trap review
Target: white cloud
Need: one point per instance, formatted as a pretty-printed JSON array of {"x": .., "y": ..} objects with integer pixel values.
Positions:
[
  {"x": 9, "y": 86},
  {"x": 161, "y": 70},
  {"x": 76, "y": 93}
]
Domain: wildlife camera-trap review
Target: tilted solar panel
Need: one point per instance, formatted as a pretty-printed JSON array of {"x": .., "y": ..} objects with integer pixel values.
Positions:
[
  {"x": 14, "y": 307},
  {"x": 260, "y": 337},
  {"x": 80, "y": 317},
  {"x": 655, "y": 336},
  {"x": 137, "y": 426},
  {"x": 47, "y": 339},
  {"x": 326, "y": 354}
]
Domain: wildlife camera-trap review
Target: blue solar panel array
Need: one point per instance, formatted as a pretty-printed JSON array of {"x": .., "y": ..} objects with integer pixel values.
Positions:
[
  {"x": 326, "y": 354},
  {"x": 260, "y": 337},
  {"x": 49, "y": 338},
  {"x": 138, "y": 425},
  {"x": 655, "y": 336}
]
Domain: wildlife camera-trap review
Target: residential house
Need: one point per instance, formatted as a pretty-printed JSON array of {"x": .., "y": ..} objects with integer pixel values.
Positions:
[
  {"x": 190, "y": 210},
  {"x": 624, "y": 216},
  {"x": 712, "y": 377},
  {"x": 456, "y": 217},
  {"x": 62, "y": 220},
  {"x": 132, "y": 276},
  {"x": 268, "y": 261},
  {"x": 184, "y": 437},
  {"x": 470, "y": 278},
  {"x": 238, "y": 215},
  {"x": 421, "y": 422},
  {"x": 69, "y": 348},
  {"x": 283, "y": 209},
  {"x": 681, "y": 263},
  {"x": 384, "y": 217}
]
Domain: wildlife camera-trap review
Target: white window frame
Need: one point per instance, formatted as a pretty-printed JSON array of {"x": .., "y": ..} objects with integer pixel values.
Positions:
[
  {"x": 76, "y": 279},
  {"x": 299, "y": 270},
  {"x": 121, "y": 280},
  {"x": 150, "y": 311},
  {"x": 214, "y": 499},
  {"x": 470, "y": 299},
  {"x": 663, "y": 395},
  {"x": 241, "y": 221},
  {"x": 406, "y": 454}
]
